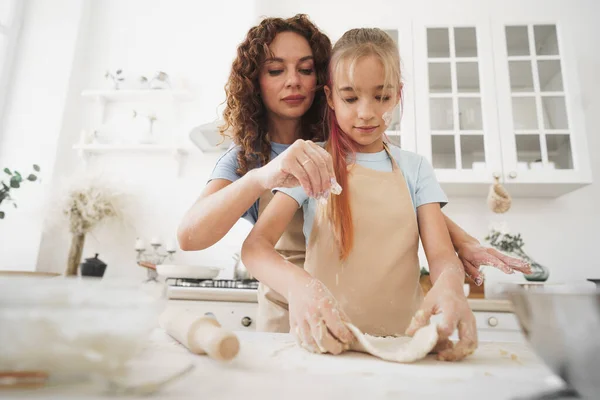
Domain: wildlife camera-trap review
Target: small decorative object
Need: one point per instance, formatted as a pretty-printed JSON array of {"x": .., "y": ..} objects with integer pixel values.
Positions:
[
  {"x": 146, "y": 135},
  {"x": 16, "y": 179},
  {"x": 513, "y": 245},
  {"x": 93, "y": 267},
  {"x": 144, "y": 82},
  {"x": 160, "y": 81},
  {"x": 498, "y": 200},
  {"x": 117, "y": 78},
  {"x": 153, "y": 256},
  {"x": 87, "y": 203}
]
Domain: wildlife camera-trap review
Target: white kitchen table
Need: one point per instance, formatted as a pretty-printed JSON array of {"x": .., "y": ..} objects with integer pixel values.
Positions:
[{"x": 271, "y": 366}]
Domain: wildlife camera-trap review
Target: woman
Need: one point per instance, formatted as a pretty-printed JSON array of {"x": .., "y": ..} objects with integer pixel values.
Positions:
[{"x": 274, "y": 111}]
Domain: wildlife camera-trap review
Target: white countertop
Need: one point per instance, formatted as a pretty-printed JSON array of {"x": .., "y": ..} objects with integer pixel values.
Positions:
[{"x": 271, "y": 366}]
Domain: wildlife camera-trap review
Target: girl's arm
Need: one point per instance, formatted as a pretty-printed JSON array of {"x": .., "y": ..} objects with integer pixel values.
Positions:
[
  {"x": 473, "y": 255},
  {"x": 315, "y": 319},
  {"x": 446, "y": 296}
]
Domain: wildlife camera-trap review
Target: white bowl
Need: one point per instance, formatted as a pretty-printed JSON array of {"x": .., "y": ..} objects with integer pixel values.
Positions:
[{"x": 74, "y": 326}]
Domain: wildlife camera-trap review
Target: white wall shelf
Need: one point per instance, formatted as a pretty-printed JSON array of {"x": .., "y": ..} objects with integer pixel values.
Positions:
[
  {"x": 178, "y": 153},
  {"x": 129, "y": 148},
  {"x": 138, "y": 95}
]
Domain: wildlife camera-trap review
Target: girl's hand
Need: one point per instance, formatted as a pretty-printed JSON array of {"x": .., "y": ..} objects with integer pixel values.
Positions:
[
  {"x": 304, "y": 164},
  {"x": 316, "y": 320},
  {"x": 473, "y": 255},
  {"x": 447, "y": 297}
]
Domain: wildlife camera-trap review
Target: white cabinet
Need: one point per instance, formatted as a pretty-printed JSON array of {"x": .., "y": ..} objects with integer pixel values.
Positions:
[
  {"x": 543, "y": 139},
  {"x": 235, "y": 316},
  {"x": 498, "y": 327},
  {"x": 497, "y": 98},
  {"x": 456, "y": 118},
  {"x": 402, "y": 129}
]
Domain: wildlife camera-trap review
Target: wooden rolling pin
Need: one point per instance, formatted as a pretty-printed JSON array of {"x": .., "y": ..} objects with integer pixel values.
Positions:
[{"x": 200, "y": 334}]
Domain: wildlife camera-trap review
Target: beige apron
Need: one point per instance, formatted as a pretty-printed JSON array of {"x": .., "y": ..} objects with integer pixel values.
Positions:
[
  {"x": 378, "y": 284},
  {"x": 272, "y": 313}
]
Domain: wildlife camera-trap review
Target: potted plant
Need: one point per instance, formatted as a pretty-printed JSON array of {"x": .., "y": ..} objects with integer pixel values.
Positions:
[
  {"x": 86, "y": 205},
  {"x": 513, "y": 245},
  {"x": 15, "y": 181}
]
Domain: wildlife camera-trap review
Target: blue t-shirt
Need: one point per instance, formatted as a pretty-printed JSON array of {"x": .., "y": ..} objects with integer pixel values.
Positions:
[
  {"x": 418, "y": 174},
  {"x": 227, "y": 165}
]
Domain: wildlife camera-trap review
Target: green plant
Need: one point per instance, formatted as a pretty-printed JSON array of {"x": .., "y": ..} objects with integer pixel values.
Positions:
[
  {"x": 424, "y": 271},
  {"x": 506, "y": 242},
  {"x": 16, "y": 179},
  {"x": 514, "y": 244},
  {"x": 117, "y": 77}
]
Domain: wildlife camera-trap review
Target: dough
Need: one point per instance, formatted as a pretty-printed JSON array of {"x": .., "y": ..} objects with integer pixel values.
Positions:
[{"x": 402, "y": 349}]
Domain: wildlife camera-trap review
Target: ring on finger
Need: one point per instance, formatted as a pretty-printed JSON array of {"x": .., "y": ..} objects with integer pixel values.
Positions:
[{"x": 305, "y": 162}]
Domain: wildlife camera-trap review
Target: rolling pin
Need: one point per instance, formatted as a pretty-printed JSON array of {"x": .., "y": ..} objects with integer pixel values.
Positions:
[{"x": 200, "y": 334}]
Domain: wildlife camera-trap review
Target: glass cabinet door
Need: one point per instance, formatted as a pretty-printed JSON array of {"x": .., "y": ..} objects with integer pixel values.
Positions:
[
  {"x": 401, "y": 131},
  {"x": 537, "y": 131},
  {"x": 454, "y": 119}
]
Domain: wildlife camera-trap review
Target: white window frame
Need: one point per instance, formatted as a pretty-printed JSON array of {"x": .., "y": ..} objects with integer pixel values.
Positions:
[{"x": 11, "y": 31}]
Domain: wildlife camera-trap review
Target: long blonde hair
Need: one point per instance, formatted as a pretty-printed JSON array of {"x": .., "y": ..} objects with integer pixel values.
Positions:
[{"x": 348, "y": 50}]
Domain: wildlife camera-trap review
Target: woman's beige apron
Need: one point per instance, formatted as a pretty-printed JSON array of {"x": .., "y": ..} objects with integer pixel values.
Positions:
[{"x": 378, "y": 284}]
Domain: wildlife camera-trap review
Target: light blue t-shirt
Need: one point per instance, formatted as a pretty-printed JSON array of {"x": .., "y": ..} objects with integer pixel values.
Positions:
[
  {"x": 226, "y": 168},
  {"x": 418, "y": 174}
]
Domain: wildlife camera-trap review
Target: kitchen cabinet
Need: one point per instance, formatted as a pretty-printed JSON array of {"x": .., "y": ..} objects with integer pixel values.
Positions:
[
  {"x": 401, "y": 131},
  {"x": 241, "y": 316},
  {"x": 543, "y": 140},
  {"x": 238, "y": 316},
  {"x": 497, "y": 99}
]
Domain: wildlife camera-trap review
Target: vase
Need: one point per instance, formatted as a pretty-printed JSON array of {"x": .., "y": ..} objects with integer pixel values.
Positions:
[
  {"x": 75, "y": 252},
  {"x": 539, "y": 273}
]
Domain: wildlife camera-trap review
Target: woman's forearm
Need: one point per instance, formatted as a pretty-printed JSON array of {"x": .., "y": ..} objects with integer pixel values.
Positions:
[
  {"x": 458, "y": 235},
  {"x": 265, "y": 264},
  {"x": 213, "y": 215}
]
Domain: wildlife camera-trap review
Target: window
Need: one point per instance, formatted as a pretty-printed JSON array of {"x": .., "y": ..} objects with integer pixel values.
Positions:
[{"x": 10, "y": 22}]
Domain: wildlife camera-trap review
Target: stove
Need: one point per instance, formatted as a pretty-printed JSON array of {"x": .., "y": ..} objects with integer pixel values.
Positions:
[{"x": 237, "y": 290}]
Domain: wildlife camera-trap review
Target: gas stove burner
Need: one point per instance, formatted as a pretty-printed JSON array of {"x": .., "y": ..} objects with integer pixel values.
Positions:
[{"x": 215, "y": 283}]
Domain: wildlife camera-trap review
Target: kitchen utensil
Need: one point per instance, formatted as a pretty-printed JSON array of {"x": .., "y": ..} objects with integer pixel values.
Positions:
[
  {"x": 182, "y": 271},
  {"x": 562, "y": 323},
  {"x": 68, "y": 326},
  {"x": 93, "y": 267},
  {"x": 201, "y": 335}
]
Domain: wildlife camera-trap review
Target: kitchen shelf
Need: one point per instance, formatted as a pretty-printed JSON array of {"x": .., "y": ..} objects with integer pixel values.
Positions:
[
  {"x": 138, "y": 95},
  {"x": 178, "y": 153},
  {"x": 138, "y": 148}
]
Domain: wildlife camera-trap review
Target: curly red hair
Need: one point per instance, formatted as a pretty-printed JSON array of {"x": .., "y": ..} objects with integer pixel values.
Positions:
[{"x": 245, "y": 114}]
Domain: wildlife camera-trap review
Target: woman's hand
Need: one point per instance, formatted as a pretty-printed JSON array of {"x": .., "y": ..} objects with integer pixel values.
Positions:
[
  {"x": 304, "y": 164},
  {"x": 473, "y": 255},
  {"x": 447, "y": 297},
  {"x": 316, "y": 320}
]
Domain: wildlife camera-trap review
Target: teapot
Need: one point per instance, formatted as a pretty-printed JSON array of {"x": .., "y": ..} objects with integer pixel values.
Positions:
[{"x": 93, "y": 267}]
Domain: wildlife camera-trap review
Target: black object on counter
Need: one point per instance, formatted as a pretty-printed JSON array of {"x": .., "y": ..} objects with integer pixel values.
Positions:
[{"x": 93, "y": 267}]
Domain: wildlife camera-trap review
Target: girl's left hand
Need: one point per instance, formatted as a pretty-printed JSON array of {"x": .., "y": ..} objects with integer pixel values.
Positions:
[
  {"x": 473, "y": 255},
  {"x": 447, "y": 297}
]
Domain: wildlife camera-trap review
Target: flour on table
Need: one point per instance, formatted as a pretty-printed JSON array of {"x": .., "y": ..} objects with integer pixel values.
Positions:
[{"x": 403, "y": 349}]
